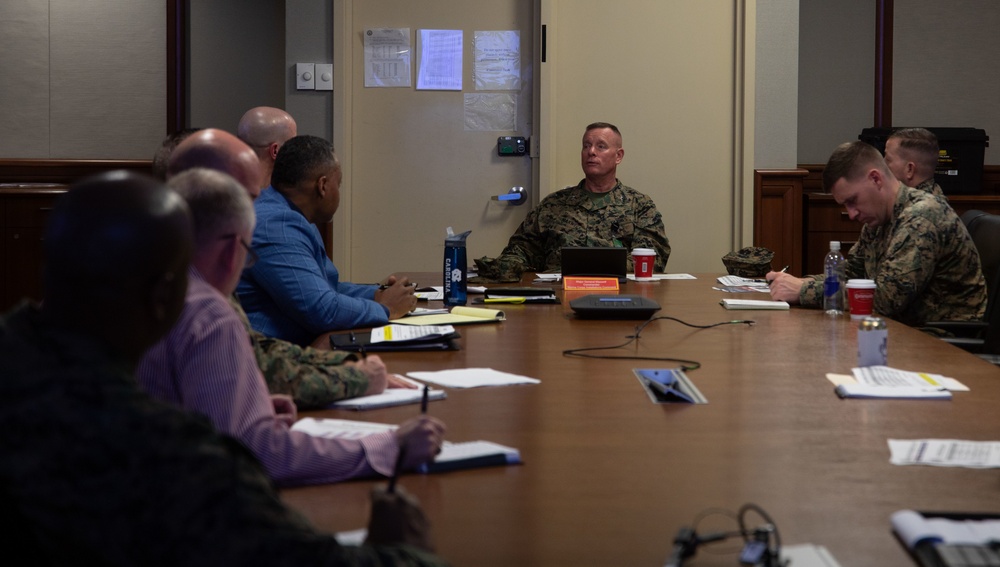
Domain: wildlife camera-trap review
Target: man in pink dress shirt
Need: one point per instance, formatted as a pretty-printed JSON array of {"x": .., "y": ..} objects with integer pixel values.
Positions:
[{"x": 207, "y": 365}]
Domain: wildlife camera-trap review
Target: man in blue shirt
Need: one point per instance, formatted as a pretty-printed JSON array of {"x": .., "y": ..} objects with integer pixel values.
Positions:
[{"x": 294, "y": 291}]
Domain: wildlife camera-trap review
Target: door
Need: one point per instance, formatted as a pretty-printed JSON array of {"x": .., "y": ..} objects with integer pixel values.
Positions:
[{"x": 412, "y": 167}]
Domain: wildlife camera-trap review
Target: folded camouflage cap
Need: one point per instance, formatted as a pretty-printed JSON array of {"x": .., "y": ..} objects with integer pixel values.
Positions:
[
  {"x": 749, "y": 262},
  {"x": 497, "y": 270}
]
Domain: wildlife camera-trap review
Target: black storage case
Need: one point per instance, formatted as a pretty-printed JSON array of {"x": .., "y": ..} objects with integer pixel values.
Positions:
[{"x": 960, "y": 164}]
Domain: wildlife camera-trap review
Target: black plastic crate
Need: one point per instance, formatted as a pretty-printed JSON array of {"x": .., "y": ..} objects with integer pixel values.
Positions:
[{"x": 960, "y": 163}]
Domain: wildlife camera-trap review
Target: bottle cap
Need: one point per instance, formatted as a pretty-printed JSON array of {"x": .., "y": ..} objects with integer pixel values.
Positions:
[{"x": 834, "y": 245}]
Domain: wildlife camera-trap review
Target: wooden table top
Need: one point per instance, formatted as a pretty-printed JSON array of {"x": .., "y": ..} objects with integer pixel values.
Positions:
[{"x": 609, "y": 477}]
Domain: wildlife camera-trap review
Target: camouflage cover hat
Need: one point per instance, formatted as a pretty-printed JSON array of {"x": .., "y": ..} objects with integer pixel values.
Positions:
[{"x": 749, "y": 262}]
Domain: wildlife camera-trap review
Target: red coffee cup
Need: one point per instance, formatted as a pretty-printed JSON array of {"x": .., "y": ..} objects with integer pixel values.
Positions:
[
  {"x": 860, "y": 297},
  {"x": 643, "y": 259}
]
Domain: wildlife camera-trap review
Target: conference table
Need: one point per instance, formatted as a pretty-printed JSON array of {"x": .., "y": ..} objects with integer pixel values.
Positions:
[{"x": 608, "y": 477}]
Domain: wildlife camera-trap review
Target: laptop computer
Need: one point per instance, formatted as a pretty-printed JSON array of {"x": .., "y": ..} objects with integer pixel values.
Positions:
[{"x": 595, "y": 262}]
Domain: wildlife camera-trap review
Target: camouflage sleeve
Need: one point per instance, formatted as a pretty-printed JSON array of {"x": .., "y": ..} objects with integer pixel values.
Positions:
[
  {"x": 314, "y": 378},
  {"x": 811, "y": 294},
  {"x": 520, "y": 254},
  {"x": 649, "y": 232},
  {"x": 906, "y": 267}
]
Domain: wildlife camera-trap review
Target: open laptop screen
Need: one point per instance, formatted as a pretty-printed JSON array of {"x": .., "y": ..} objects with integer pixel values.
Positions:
[{"x": 595, "y": 261}]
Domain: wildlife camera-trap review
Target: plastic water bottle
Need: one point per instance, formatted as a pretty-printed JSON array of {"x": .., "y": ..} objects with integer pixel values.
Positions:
[
  {"x": 455, "y": 268},
  {"x": 833, "y": 280}
]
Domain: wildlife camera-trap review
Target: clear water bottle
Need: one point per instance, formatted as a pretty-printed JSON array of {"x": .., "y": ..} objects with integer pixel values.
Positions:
[
  {"x": 833, "y": 280},
  {"x": 455, "y": 267}
]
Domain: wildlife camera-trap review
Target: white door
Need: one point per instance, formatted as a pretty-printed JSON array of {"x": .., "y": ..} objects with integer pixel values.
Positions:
[{"x": 412, "y": 167}]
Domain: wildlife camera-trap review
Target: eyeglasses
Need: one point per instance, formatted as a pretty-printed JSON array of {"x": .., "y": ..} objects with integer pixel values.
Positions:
[{"x": 252, "y": 256}]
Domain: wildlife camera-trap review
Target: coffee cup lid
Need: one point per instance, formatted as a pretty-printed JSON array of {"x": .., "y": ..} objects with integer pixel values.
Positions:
[
  {"x": 861, "y": 283},
  {"x": 643, "y": 252}
]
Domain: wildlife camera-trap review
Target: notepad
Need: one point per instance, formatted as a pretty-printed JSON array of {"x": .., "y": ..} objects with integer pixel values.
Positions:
[
  {"x": 753, "y": 304},
  {"x": 388, "y": 398},
  {"x": 453, "y": 456},
  {"x": 459, "y": 316}
]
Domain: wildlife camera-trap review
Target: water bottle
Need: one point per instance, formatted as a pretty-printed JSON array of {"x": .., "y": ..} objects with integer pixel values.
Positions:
[
  {"x": 455, "y": 267},
  {"x": 833, "y": 280}
]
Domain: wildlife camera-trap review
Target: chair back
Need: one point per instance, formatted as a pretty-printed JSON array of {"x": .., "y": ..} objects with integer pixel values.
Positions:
[{"x": 984, "y": 228}]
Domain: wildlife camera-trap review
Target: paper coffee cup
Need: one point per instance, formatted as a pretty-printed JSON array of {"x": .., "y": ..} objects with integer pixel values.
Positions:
[
  {"x": 643, "y": 259},
  {"x": 860, "y": 297}
]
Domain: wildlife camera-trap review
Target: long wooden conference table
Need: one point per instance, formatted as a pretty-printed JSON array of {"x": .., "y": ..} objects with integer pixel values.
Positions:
[{"x": 609, "y": 477}]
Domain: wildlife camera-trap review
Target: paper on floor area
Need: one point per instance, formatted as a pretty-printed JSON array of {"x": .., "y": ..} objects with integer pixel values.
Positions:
[
  {"x": 945, "y": 453},
  {"x": 472, "y": 378}
]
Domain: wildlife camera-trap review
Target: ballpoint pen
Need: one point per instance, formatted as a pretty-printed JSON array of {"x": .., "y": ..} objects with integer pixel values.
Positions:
[
  {"x": 402, "y": 449},
  {"x": 423, "y": 401}
]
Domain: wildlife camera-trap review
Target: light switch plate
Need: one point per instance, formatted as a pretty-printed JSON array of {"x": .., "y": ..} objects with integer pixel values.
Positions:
[
  {"x": 305, "y": 76},
  {"x": 324, "y": 76}
]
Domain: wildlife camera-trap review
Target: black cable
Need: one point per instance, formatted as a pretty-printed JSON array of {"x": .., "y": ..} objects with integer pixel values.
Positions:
[
  {"x": 751, "y": 507},
  {"x": 685, "y": 364}
]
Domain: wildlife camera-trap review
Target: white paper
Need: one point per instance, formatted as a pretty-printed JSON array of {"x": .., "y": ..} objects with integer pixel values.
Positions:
[
  {"x": 893, "y": 377},
  {"x": 399, "y": 333},
  {"x": 472, "y": 378},
  {"x": 945, "y": 453},
  {"x": 388, "y": 398},
  {"x": 440, "y": 53},
  {"x": 487, "y": 112},
  {"x": 658, "y": 277},
  {"x": 339, "y": 428},
  {"x": 352, "y": 538},
  {"x": 387, "y": 57},
  {"x": 497, "y": 60},
  {"x": 914, "y": 527}
]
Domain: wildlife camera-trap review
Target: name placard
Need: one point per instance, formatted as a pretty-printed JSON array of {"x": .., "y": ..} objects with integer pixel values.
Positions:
[{"x": 577, "y": 283}]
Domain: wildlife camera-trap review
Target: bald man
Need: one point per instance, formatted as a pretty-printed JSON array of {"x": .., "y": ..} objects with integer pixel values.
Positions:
[
  {"x": 266, "y": 129},
  {"x": 219, "y": 150},
  {"x": 314, "y": 378},
  {"x": 103, "y": 475}
]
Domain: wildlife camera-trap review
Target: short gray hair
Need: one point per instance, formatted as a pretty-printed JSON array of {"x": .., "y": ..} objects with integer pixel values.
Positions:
[{"x": 219, "y": 204}]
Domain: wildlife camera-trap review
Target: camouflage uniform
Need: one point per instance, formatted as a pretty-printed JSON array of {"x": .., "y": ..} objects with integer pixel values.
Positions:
[
  {"x": 923, "y": 261},
  {"x": 931, "y": 187},
  {"x": 313, "y": 377},
  {"x": 574, "y": 216}
]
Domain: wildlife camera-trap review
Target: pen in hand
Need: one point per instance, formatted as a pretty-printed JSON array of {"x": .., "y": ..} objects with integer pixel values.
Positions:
[{"x": 402, "y": 449}]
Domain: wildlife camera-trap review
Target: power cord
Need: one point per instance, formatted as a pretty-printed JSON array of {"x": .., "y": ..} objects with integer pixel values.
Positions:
[
  {"x": 761, "y": 545},
  {"x": 686, "y": 365}
]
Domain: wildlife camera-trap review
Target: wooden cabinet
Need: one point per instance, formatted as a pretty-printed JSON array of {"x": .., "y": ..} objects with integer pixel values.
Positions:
[
  {"x": 825, "y": 220},
  {"x": 24, "y": 210}
]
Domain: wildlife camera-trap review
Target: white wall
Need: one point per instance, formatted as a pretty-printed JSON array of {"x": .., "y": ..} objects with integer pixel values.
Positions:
[{"x": 776, "y": 84}]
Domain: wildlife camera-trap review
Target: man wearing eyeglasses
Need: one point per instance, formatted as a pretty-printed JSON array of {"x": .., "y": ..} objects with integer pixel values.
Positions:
[{"x": 206, "y": 363}]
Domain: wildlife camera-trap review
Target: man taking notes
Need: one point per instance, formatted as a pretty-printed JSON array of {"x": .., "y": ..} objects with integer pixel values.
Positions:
[
  {"x": 913, "y": 245},
  {"x": 206, "y": 364},
  {"x": 94, "y": 472}
]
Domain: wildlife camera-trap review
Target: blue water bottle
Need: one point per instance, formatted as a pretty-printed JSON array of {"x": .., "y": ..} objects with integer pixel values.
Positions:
[{"x": 455, "y": 267}]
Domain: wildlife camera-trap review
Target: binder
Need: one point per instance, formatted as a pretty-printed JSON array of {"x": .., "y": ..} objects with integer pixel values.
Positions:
[{"x": 361, "y": 342}]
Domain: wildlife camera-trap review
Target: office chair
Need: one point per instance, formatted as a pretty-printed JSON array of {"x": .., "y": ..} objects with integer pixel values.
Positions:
[{"x": 981, "y": 337}]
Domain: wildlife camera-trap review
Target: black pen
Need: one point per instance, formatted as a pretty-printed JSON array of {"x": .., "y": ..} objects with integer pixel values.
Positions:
[
  {"x": 396, "y": 470},
  {"x": 384, "y": 287},
  {"x": 423, "y": 402}
]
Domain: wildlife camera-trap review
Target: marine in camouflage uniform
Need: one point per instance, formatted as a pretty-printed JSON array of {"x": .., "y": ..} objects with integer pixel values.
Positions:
[
  {"x": 313, "y": 377},
  {"x": 931, "y": 187},
  {"x": 924, "y": 264},
  {"x": 574, "y": 216}
]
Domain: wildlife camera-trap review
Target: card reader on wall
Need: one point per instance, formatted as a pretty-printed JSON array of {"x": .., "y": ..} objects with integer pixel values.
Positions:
[{"x": 512, "y": 146}]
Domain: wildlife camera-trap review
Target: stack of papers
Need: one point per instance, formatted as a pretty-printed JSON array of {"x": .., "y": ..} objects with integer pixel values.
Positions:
[
  {"x": 945, "y": 453},
  {"x": 390, "y": 397},
  {"x": 472, "y": 378},
  {"x": 887, "y": 382},
  {"x": 458, "y": 316},
  {"x": 753, "y": 304},
  {"x": 736, "y": 284}
]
